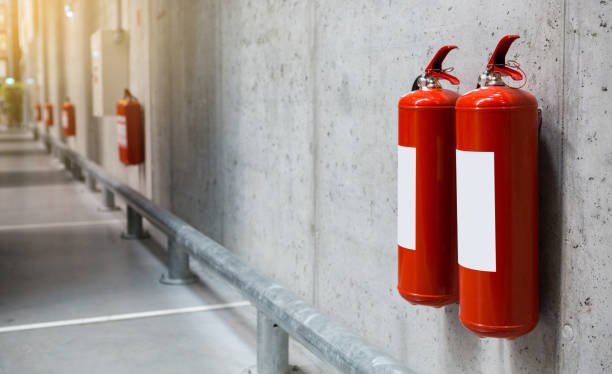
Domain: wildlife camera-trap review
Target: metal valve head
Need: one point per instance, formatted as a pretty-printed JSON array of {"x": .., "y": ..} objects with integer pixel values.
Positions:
[{"x": 435, "y": 66}]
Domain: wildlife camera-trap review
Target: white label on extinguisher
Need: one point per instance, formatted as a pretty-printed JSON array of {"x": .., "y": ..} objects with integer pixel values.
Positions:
[
  {"x": 121, "y": 132},
  {"x": 476, "y": 210},
  {"x": 406, "y": 197},
  {"x": 64, "y": 119}
]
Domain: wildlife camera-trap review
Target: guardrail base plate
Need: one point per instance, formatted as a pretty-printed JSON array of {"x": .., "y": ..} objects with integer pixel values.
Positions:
[
  {"x": 292, "y": 369},
  {"x": 127, "y": 236},
  {"x": 105, "y": 209},
  {"x": 177, "y": 281}
]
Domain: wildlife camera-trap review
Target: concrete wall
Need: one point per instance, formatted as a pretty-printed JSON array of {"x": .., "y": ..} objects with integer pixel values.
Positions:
[
  {"x": 53, "y": 53},
  {"x": 272, "y": 126},
  {"x": 77, "y": 64},
  {"x": 40, "y": 66},
  {"x": 105, "y": 14},
  {"x": 586, "y": 204},
  {"x": 65, "y": 70}
]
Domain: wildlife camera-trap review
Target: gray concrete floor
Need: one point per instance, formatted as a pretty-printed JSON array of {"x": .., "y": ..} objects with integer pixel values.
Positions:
[{"x": 61, "y": 258}]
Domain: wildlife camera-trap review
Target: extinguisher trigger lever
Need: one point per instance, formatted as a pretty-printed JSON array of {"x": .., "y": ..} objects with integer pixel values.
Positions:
[
  {"x": 452, "y": 79},
  {"x": 498, "y": 58},
  {"x": 435, "y": 66}
]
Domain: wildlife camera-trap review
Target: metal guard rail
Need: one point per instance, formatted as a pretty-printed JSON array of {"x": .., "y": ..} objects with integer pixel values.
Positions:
[{"x": 328, "y": 340}]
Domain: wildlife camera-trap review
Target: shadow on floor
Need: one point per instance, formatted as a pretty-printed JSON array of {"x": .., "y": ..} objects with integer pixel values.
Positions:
[
  {"x": 23, "y": 152},
  {"x": 16, "y": 140},
  {"x": 34, "y": 178}
]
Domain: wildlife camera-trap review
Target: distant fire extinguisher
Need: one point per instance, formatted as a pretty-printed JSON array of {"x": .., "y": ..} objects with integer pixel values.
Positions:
[
  {"x": 130, "y": 130},
  {"x": 427, "y": 239},
  {"x": 37, "y": 112},
  {"x": 48, "y": 114},
  {"x": 497, "y": 203},
  {"x": 68, "y": 119}
]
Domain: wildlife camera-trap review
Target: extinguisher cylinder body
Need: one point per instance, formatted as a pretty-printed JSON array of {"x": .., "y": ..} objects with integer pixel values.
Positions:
[
  {"x": 130, "y": 132},
  {"x": 497, "y": 192},
  {"x": 37, "y": 113},
  {"x": 68, "y": 119},
  {"x": 48, "y": 115},
  {"x": 427, "y": 233}
]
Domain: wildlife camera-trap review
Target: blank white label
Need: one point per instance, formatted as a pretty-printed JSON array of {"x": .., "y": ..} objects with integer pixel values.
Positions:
[
  {"x": 64, "y": 119},
  {"x": 406, "y": 197},
  {"x": 476, "y": 210},
  {"x": 121, "y": 132}
]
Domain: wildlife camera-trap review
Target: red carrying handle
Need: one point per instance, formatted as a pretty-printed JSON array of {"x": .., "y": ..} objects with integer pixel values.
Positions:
[
  {"x": 498, "y": 58},
  {"x": 435, "y": 66}
]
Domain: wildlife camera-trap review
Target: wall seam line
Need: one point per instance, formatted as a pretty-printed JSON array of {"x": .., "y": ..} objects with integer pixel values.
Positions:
[
  {"x": 315, "y": 154},
  {"x": 562, "y": 168}
]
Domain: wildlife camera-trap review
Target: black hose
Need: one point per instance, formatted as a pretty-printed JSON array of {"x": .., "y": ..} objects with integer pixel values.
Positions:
[{"x": 415, "y": 85}]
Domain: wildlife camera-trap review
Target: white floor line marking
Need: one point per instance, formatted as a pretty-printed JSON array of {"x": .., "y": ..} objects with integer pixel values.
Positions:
[
  {"x": 57, "y": 224},
  {"x": 123, "y": 317}
]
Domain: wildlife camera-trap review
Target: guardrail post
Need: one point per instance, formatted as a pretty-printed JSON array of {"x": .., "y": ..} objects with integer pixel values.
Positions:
[
  {"x": 134, "y": 228},
  {"x": 76, "y": 171},
  {"x": 72, "y": 166},
  {"x": 108, "y": 198},
  {"x": 47, "y": 143},
  {"x": 91, "y": 181},
  {"x": 67, "y": 163},
  {"x": 178, "y": 265},
  {"x": 272, "y": 347}
]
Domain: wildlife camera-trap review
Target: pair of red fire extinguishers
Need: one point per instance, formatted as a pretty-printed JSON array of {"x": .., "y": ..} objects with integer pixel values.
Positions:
[{"x": 467, "y": 198}]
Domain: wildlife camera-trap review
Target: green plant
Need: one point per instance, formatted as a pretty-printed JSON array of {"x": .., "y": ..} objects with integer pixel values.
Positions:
[{"x": 12, "y": 95}]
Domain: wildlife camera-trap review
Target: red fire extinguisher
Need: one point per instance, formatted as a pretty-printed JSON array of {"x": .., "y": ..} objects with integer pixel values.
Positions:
[
  {"x": 427, "y": 239},
  {"x": 37, "y": 112},
  {"x": 68, "y": 119},
  {"x": 497, "y": 203},
  {"x": 48, "y": 114},
  {"x": 130, "y": 130}
]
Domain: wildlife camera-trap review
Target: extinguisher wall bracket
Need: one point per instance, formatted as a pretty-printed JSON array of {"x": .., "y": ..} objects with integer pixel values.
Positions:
[
  {"x": 434, "y": 69},
  {"x": 498, "y": 58}
]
